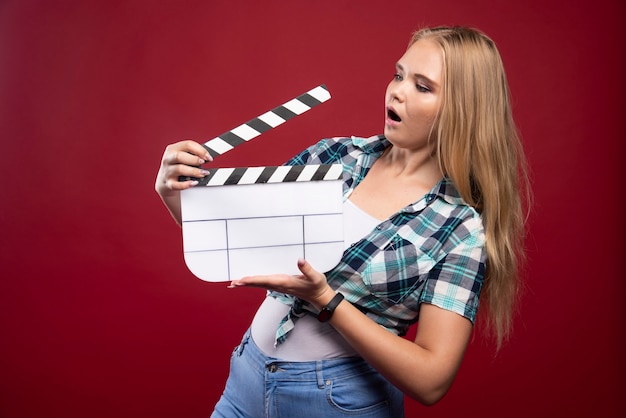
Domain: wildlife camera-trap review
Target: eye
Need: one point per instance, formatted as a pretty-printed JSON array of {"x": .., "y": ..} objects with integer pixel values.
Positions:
[
  {"x": 422, "y": 88},
  {"x": 397, "y": 77}
]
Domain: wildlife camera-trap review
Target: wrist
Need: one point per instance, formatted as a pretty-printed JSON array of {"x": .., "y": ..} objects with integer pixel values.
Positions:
[{"x": 323, "y": 298}]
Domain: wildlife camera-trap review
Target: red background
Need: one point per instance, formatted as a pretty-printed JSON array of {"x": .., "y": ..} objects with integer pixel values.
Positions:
[{"x": 99, "y": 316}]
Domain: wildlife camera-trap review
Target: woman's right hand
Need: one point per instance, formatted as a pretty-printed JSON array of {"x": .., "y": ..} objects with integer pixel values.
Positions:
[{"x": 185, "y": 159}]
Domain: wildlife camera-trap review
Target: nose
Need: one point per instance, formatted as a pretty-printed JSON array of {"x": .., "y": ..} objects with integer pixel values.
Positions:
[{"x": 397, "y": 90}]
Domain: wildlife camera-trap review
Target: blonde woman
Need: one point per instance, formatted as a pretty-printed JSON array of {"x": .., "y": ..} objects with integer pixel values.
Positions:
[{"x": 433, "y": 221}]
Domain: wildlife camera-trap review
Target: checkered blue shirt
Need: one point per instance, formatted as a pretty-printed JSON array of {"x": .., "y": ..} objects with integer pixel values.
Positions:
[{"x": 432, "y": 251}]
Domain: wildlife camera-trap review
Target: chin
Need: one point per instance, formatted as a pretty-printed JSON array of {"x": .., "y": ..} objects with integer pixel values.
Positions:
[{"x": 390, "y": 134}]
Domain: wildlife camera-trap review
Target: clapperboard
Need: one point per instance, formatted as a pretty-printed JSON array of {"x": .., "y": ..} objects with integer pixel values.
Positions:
[{"x": 260, "y": 220}]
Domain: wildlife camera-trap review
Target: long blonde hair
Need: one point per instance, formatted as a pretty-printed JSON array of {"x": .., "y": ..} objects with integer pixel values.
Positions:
[{"x": 479, "y": 149}]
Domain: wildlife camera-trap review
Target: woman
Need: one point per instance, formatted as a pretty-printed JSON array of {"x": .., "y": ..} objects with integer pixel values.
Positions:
[{"x": 433, "y": 219}]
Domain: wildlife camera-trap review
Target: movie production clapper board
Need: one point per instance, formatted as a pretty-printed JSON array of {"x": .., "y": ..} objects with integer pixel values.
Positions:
[{"x": 259, "y": 220}]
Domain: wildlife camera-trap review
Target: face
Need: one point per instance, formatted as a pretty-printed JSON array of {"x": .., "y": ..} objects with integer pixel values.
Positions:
[{"x": 413, "y": 96}]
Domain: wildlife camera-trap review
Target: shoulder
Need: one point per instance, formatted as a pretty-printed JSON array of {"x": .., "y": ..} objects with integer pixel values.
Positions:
[
  {"x": 447, "y": 192},
  {"x": 338, "y": 149}
]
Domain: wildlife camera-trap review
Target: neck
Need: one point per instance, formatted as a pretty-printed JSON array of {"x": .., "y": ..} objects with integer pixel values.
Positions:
[{"x": 419, "y": 166}]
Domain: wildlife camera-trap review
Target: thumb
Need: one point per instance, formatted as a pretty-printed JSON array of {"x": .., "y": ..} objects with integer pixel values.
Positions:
[{"x": 306, "y": 268}]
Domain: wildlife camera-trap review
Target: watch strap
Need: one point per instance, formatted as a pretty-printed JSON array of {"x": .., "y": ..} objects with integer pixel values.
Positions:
[{"x": 327, "y": 311}]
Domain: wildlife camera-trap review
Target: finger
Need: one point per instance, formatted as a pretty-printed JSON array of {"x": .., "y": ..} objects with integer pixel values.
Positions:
[
  {"x": 181, "y": 185},
  {"x": 182, "y": 170},
  {"x": 279, "y": 282},
  {"x": 178, "y": 156},
  {"x": 198, "y": 150},
  {"x": 186, "y": 152},
  {"x": 183, "y": 182},
  {"x": 244, "y": 282},
  {"x": 307, "y": 270},
  {"x": 179, "y": 176}
]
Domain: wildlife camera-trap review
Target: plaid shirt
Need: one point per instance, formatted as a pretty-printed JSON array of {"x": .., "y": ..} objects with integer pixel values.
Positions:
[{"x": 431, "y": 251}]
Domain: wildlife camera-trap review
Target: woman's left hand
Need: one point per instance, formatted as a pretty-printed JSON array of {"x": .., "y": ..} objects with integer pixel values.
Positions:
[{"x": 311, "y": 285}]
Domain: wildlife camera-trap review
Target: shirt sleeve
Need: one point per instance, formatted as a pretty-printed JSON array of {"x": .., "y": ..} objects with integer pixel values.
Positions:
[{"x": 455, "y": 282}]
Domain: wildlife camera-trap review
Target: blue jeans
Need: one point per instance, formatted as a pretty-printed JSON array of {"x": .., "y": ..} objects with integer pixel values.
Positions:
[{"x": 261, "y": 386}]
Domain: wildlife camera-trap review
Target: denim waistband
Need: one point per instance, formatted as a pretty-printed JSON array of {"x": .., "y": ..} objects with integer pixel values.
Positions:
[{"x": 318, "y": 371}]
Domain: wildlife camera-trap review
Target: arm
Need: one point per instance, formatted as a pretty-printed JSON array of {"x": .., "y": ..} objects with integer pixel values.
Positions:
[
  {"x": 180, "y": 159},
  {"x": 423, "y": 369}
]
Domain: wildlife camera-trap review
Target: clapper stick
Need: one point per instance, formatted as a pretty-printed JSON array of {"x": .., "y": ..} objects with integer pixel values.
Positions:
[
  {"x": 263, "y": 123},
  {"x": 268, "y": 120}
]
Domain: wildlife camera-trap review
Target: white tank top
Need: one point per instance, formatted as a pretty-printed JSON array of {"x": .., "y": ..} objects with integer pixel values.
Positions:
[{"x": 310, "y": 339}]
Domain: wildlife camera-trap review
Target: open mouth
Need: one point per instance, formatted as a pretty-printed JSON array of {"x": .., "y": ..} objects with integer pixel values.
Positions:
[{"x": 393, "y": 115}]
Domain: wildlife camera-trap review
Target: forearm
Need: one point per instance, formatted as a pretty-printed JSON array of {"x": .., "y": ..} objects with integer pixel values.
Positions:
[
  {"x": 172, "y": 203},
  {"x": 423, "y": 371}
]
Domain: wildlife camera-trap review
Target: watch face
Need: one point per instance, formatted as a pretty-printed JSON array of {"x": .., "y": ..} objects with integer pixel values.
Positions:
[{"x": 324, "y": 315}]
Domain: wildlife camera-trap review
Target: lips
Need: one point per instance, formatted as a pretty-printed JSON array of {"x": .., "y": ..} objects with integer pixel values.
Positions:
[{"x": 392, "y": 115}]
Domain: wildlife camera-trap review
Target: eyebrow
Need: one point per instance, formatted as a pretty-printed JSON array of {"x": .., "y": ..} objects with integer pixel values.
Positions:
[{"x": 429, "y": 81}]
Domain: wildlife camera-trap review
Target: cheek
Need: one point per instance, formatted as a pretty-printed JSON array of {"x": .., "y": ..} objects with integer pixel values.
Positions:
[
  {"x": 421, "y": 118},
  {"x": 426, "y": 112}
]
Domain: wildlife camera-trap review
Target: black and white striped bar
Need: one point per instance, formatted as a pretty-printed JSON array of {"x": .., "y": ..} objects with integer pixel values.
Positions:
[
  {"x": 271, "y": 119},
  {"x": 278, "y": 174}
]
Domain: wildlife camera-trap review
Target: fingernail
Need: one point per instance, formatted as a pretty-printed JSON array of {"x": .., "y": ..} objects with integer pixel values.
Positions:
[
  {"x": 201, "y": 161},
  {"x": 204, "y": 172},
  {"x": 208, "y": 157},
  {"x": 194, "y": 183}
]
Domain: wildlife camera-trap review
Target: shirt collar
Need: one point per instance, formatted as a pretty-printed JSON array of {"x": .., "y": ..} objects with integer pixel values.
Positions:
[
  {"x": 373, "y": 144},
  {"x": 446, "y": 190}
]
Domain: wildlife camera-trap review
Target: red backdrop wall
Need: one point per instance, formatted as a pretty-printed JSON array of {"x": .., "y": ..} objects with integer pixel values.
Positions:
[{"x": 99, "y": 316}]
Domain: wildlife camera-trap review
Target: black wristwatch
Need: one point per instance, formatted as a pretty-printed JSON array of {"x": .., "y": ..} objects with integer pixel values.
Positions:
[{"x": 327, "y": 311}]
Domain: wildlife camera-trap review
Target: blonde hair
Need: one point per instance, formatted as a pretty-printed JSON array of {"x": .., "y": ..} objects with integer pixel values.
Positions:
[{"x": 479, "y": 149}]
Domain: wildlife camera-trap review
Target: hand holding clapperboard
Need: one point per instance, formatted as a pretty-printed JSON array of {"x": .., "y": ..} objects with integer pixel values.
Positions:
[{"x": 261, "y": 220}]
